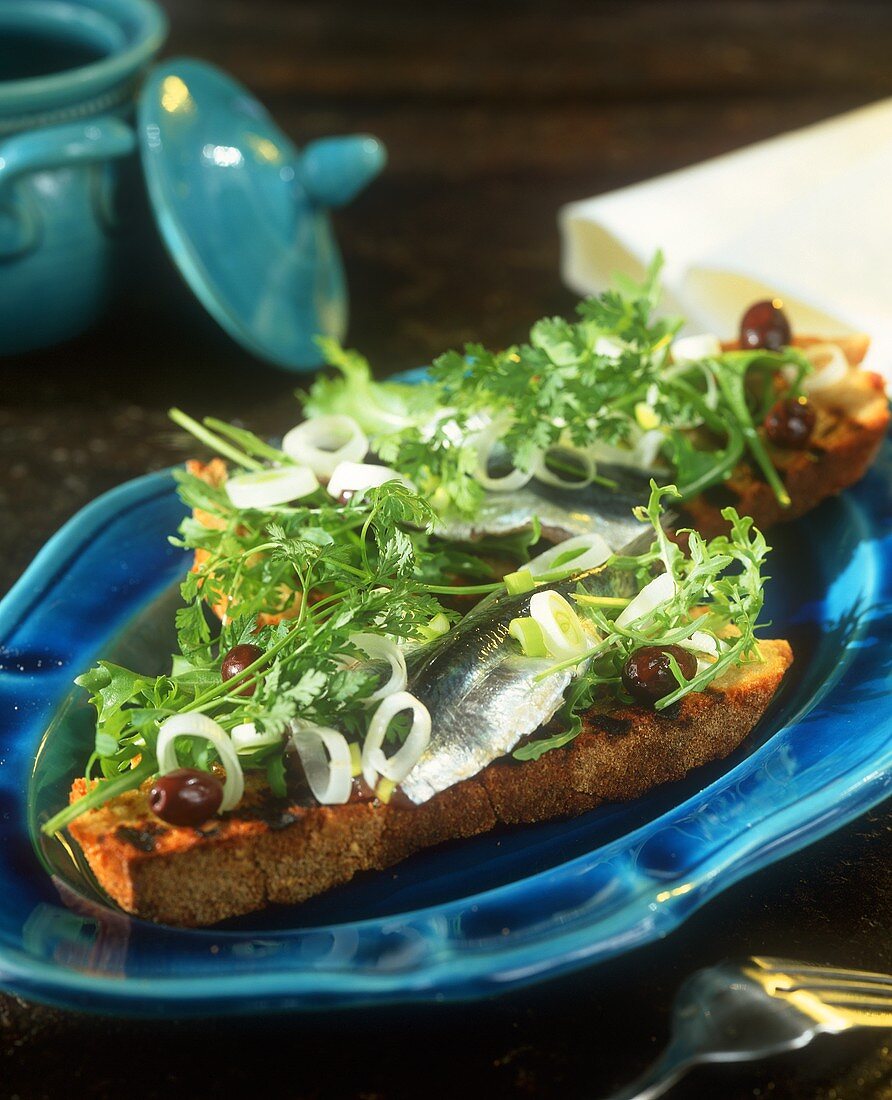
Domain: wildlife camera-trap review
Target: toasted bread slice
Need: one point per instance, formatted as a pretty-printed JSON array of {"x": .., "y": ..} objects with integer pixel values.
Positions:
[
  {"x": 852, "y": 418},
  {"x": 272, "y": 851}
]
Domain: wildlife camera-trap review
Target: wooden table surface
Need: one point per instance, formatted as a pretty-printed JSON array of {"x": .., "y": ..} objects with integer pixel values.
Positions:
[{"x": 494, "y": 115}]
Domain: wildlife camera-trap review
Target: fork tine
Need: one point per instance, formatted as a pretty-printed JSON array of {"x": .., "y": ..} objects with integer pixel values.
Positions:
[
  {"x": 839, "y": 998},
  {"x": 826, "y": 973},
  {"x": 845, "y": 998},
  {"x": 872, "y": 989},
  {"x": 863, "y": 1015},
  {"x": 787, "y": 982}
]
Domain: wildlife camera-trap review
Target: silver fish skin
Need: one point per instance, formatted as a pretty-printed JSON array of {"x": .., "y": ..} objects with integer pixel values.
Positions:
[
  {"x": 483, "y": 697},
  {"x": 561, "y": 512}
]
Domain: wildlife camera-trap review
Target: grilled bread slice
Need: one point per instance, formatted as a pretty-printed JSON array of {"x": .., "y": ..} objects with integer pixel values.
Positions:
[
  {"x": 852, "y": 418},
  {"x": 274, "y": 851},
  {"x": 268, "y": 850}
]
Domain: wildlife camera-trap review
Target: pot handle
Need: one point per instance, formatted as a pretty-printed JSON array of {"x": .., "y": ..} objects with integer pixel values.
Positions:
[
  {"x": 76, "y": 143},
  {"x": 64, "y": 146}
]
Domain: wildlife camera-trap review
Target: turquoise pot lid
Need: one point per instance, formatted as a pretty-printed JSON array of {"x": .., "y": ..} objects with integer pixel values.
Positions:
[{"x": 243, "y": 212}]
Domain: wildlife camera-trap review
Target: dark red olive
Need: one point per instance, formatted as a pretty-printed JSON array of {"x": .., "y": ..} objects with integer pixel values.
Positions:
[
  {"x": 765, "y": 325},
  {"x": 647, "y": 676},
  {"x": 790, "y": 423},
  {"x": 237, "y": 660},
  {"x": 186, "y": 796}
]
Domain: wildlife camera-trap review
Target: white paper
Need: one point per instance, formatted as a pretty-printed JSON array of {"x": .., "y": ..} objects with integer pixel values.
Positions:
[{"x": 806, "y": 216}]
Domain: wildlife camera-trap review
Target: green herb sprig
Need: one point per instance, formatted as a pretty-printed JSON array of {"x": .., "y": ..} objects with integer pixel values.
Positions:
[
  {"x": 719, "y": 589},
  {"x": 589, "y": 383}
]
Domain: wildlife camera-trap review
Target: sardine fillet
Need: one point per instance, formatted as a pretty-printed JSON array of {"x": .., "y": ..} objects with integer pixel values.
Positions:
[{"x": 269, "y": 852}]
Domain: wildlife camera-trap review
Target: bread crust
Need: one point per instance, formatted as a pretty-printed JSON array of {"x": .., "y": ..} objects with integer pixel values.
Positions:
[{"x": 267, "y": 852}]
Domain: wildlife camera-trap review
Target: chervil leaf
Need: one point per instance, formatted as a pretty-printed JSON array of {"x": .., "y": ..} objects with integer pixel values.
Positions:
[
  {"x": 193, "y": 632},
  {"x": 308, "y": 687},
  {"x": 583, "y": 383}
]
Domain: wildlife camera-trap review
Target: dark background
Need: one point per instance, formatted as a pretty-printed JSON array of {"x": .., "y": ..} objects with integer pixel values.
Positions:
[{"x": 494, "y": 115}]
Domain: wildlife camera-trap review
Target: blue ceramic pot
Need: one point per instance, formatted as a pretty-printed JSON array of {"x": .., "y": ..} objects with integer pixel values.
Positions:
[{"x": 69, "y": 73}]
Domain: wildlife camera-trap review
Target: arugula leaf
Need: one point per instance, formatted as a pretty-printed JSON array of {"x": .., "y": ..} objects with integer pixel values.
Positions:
[
  {"x": 111, "y": 688},
  {"x": 275, "y": 775},
  {"x": 100, "y": 793}
]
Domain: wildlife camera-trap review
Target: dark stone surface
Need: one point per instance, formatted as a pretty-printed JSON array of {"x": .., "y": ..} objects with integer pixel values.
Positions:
[{"x": 494, "y": 115}]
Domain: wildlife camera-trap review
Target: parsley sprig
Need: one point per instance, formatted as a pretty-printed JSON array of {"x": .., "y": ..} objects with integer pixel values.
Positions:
[{"x": 595, "y": 383}]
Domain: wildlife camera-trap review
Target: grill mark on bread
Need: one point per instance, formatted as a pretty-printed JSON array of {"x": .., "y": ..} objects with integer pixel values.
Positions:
[
  {"x": 142, "y": 838},
  {"x": 612, "y": 727}
]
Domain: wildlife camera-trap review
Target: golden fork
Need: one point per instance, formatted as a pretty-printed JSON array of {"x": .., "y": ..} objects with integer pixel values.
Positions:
[{"x": 740, "y": 1012}]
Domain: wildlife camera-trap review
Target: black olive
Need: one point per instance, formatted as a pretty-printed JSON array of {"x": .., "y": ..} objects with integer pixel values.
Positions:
[
  {"x": 647, "y": 676},
  {"x": 790, "y": 423},
  {"x": 186, "y": 796},
  {"x": 237, "y": 660},
  {"x": 765, "y": 325}
]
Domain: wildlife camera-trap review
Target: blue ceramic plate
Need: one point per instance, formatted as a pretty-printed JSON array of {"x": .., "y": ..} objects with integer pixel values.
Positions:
[{"x": 467, "y": 919}]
